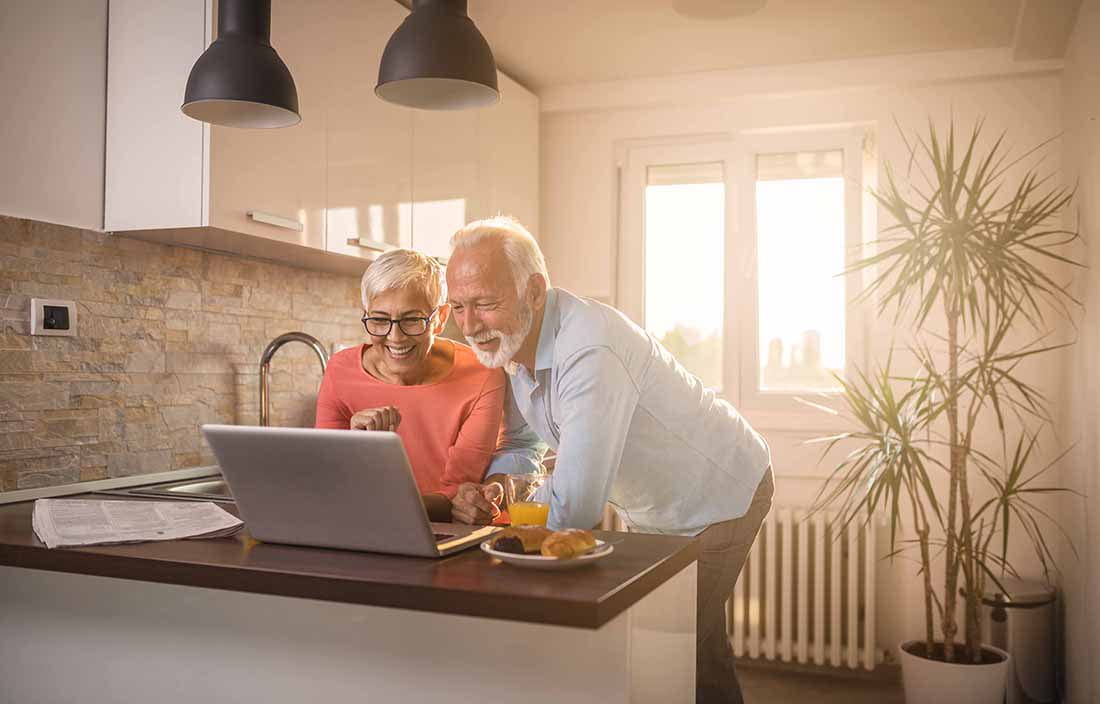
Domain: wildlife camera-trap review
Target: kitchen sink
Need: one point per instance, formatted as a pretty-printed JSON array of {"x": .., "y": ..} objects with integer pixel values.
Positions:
[
  {"x": 212, "y": 488},
  {"x": 215, "y": 488}
]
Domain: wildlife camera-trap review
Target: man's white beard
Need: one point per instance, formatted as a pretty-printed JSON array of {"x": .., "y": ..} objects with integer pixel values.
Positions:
[{"x": 509, "y": 344}]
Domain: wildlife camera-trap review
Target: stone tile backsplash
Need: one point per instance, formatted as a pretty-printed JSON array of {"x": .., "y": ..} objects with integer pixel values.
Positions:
[{"x": 168, "y": 338}]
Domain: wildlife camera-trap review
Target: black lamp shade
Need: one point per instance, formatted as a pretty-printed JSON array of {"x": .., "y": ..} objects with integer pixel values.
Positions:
[
  {"x": 239, "y": 81},
  {"x": 438, "y": 60}
]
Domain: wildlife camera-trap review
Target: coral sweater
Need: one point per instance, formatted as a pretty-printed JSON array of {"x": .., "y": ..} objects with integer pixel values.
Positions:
[{"x": 450, "y": 428}]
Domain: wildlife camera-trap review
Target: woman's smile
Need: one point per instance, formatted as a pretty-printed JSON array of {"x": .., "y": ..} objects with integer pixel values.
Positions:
[{"x": 400, "y": 351}]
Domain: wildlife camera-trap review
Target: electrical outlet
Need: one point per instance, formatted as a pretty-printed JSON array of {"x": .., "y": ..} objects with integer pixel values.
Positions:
[{"x": 53, "y": 317}]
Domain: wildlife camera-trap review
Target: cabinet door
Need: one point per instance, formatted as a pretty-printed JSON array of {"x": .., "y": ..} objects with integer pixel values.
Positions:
[
  {"x": 369, "y": 142},
  {"x": 278, "y": 172},
  {"x": 508, "y": 154},
  {"x": 445, "y": 175},
  {"x": 154, "y": 172}
]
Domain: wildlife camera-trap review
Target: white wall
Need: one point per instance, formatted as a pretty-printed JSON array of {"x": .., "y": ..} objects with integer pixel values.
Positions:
[
  {"x": 578, "y": 145},
  {"x": 53, "y": 72},
  {"x": 582, "y": 127},
  {"x": 1081, "y": 577}
]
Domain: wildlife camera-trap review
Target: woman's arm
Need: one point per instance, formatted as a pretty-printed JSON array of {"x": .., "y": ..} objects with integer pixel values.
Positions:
[
  {"x": 331, "y": 411},
  {"x": 468, "y": 458},
  {"x": 438, "y": 507}
]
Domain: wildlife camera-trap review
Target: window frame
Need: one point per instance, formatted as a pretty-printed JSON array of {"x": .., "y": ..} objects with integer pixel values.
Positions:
[
  {"x": 740, "y": 344},
  {"x": 630, "y": 255},
  {"x": 851, "y": 142}
]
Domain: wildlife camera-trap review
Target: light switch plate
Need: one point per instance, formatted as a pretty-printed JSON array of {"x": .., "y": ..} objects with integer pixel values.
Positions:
[{"x": 48, "y": 312}]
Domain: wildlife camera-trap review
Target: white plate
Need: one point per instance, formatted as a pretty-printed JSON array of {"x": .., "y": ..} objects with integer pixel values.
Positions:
[{"x": 538, "y": 562}]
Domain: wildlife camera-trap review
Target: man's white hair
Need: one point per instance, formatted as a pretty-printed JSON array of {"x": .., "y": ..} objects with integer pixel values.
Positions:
[
  {"x": 399, "y": 268},
  {"x": 520, "y": 248}
]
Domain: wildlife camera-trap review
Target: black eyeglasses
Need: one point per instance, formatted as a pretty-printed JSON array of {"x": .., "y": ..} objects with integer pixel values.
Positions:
[{"x": 411, "y": 326}]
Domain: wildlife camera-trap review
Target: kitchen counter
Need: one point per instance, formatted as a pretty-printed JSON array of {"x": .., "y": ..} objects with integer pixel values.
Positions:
[
  {"x": 469, "y": 583},
  {"x": 234, "y": 619}
]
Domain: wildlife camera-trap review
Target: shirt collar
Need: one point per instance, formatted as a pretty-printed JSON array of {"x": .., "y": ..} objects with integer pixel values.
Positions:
[{"x": 548, "y": 335}]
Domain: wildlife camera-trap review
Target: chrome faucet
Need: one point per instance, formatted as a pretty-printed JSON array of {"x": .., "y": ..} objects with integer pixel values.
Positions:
[{"x": 265, "y": 365}]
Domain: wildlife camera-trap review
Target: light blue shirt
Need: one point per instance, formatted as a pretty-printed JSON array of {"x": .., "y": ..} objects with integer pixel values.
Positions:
[{"x": 630, "y": 425}]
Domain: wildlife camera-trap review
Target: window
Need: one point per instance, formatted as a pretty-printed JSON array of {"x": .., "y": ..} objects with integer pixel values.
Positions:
[
  {"x": 801, "y": 227},
  {"x": 672, "y": 254},
  {"x": 684, "y": 243},
  {"x": 800, "y": 244},
  {"x": 732, "y": 252}
]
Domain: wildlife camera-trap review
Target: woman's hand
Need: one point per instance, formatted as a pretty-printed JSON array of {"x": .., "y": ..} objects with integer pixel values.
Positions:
[{"x": 384, "y": 418}]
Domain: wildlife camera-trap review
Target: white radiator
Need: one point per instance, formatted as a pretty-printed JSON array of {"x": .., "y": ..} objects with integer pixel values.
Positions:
[{"x": 807, "y": 595}]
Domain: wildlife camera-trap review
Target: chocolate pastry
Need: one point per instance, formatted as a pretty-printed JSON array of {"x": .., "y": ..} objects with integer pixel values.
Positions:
[{"x": 520, "y": 539}]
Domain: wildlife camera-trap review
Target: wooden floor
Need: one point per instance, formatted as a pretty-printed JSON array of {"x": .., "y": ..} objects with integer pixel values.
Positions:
[{"x": 774, "y": 684}]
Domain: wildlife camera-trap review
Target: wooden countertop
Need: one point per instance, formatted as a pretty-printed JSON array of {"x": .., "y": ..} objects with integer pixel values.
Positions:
[{"x": 469, "y": 583}]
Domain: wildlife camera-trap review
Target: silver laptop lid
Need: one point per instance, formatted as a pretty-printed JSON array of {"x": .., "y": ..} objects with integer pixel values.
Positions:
[{"x": 328, "y": 488}]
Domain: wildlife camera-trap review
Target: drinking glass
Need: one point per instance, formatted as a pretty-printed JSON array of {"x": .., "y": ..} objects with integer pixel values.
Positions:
[{"x": 528, "y": 498}]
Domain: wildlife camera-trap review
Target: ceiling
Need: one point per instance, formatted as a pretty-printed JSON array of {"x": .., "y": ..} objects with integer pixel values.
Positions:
[{"x": 544, "y": 43}]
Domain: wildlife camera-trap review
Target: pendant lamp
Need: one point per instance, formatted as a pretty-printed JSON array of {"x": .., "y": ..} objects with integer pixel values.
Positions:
[
  {"x": 239, "y": 81},
  {"x": 438, "y": 60}
]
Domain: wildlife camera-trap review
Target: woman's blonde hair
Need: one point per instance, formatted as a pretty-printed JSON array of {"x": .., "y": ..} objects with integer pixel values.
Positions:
[{"x": 399, "y": 268}]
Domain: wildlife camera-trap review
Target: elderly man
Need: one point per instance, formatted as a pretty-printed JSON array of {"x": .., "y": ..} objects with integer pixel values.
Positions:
[{"x": 630, "y": 425}]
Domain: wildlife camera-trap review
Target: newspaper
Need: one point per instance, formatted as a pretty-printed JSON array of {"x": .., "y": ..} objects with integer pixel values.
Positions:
[{"x": 76, "y": 522}]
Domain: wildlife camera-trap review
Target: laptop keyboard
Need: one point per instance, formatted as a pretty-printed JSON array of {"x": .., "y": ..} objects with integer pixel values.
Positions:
[{"x": 440, "y": 537}]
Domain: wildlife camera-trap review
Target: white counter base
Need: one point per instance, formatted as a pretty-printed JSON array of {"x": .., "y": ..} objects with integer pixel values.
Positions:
[{"x": 82, "y": 639}]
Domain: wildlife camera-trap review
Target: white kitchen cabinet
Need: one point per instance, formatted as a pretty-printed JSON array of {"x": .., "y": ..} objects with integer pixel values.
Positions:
[
  {"x": 399, "y": 177},
  {"x": 447, "y": 184},
  {"x": 473, "y": 164},
  {"x": 356, "y": 176},
  {"x": 173, "y": 179},
  {"x": 157, "y": 161},
  {"x": 369, "y": 142},
  {"x": 508, "y": 155},
  {"x": 279, "y": 172}
]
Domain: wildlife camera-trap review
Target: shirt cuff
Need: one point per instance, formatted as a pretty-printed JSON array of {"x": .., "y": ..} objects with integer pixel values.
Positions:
[{"x": 513, "y": 464}]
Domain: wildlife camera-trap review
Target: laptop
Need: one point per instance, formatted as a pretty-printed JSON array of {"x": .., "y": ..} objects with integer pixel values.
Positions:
[{"x": 345, "y": 489}]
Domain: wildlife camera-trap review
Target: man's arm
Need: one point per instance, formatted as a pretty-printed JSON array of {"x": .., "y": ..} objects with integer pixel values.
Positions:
[
  {"x": 520, "y": 449},
  {"x": 471, "y": 505},
  {"x": 597, "y": 398}
]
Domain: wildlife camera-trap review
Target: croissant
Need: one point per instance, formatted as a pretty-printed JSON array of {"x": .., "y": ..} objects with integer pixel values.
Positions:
[
  {"x": 565, "y": 544},
  {"x": 520, "y": 539}
]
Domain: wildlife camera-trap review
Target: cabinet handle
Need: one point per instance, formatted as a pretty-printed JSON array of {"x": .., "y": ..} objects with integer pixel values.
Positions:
[
  {"x": 373, "y": 245},
  {"x": 276, "y": 220},
  {"x": 376, "y": 246}
]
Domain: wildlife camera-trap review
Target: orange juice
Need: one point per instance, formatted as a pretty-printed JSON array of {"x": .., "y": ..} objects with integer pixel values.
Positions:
[{"x": 528, "y": 513}]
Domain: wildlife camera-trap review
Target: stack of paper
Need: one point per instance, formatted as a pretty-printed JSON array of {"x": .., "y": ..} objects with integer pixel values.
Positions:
[{"x": 75, "y": 522}]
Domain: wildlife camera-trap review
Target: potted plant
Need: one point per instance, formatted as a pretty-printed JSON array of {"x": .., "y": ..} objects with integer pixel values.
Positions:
[{"x": 966, "y": 264}]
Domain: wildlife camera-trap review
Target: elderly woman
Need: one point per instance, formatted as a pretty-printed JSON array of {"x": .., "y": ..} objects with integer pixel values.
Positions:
[{"x": 431, "y": 391}]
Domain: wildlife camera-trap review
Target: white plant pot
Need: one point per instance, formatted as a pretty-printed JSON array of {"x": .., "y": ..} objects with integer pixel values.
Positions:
[{"x": 933, "y": 682}]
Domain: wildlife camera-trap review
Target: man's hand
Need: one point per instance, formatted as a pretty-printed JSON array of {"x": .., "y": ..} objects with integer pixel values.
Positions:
[
  {"x": 470, "y": 504},
  {"x": 384, "y": 418}
]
